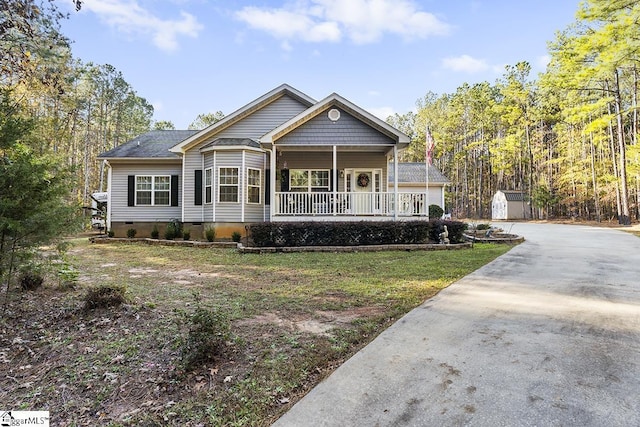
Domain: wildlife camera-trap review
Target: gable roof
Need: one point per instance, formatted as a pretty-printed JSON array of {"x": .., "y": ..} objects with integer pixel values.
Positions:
[
  {"x": 243, "y": 112},
  {"x": 151, "y": 145},
  {"x": 416, "y": 173},
  {"x": 335, "y": 100},
  {"x": 513, "y": 195}
]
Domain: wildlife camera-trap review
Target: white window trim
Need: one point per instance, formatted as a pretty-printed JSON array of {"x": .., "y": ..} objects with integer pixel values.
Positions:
[
  {"x": 210, "y": 186},
  {"x": 237, "y": 185},
  {"x": 153, "y": 190},
  {"x": 259, "y": 186},
  {"x": 309, "y": 186}
]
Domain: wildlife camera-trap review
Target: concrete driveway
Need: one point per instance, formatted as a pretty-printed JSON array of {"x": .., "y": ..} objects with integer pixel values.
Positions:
[{"x": 546, "y": 335}]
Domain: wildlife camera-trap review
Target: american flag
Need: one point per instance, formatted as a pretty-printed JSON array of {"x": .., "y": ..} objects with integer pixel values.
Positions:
[{"x": 430, "y": 143}]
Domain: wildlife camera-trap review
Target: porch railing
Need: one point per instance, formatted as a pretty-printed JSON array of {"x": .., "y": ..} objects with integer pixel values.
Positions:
[{"x": 349, "y": 203}]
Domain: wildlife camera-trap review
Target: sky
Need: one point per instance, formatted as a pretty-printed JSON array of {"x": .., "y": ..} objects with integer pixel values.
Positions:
[{"x": 189, "y": 57}]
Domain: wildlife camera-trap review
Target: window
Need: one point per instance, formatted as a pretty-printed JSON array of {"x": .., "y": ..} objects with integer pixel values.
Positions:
[
  {"x": 228, "y": 185},
  {"x": 253, "y": 185},
  {"x": 208, "y": 175},
  {"x": 309, "y": 180},
  {"x": 153, "y": 190}
]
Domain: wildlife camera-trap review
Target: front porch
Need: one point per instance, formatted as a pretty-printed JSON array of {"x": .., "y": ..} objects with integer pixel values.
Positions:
[{"x": 348, "y": 206}]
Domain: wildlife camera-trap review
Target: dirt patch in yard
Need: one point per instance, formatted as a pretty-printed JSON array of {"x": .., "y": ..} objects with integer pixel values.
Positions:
[
  {"x": 123, "y": 365},
  {"x": 320, "y": 322},
  {"x": 293, "y": 319}
]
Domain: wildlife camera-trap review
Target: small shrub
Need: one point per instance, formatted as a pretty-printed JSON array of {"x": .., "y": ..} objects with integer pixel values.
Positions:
[
  {"x": 104, "y": 296},
  {"x": 435, "y": 212},
  {"x": 67, "y": 276},
  {"x": 186, "y": 235},
  {"x": 169, "y": 233},
  {"x": 111, "y": 233},
  {"x": 173, "y": 230},
  {"x": 206, "y": 337},
  {"x": 131, "y": 233},
  {"x": 483, "y": 226},
  {"x": 210, "y": 234},
  {"x": 155, "y": 233},
  {"x": 236, "y": 236},
  {"x": 30, "y": 281}
]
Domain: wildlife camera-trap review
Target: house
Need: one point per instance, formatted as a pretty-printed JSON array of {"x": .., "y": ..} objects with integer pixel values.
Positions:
[
  {"x": 282, "y": 157},
  {"x": 412, "y": 185},
  {"x": 509, "y": 205}
]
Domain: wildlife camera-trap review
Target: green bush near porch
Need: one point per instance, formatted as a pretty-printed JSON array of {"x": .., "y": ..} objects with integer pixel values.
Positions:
[{"x": 287, "y": 234}]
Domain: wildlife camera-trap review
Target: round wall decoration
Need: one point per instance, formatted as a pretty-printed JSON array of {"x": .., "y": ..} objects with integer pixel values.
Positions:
[
  {"x": 363, "y": 180},
  {"x": 333, "y": 115}
]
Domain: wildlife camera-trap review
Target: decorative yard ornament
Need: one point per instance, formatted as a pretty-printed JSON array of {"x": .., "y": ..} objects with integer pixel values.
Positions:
[{"x": 444, "y": 236}]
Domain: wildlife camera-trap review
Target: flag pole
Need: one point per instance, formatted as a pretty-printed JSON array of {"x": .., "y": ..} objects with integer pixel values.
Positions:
[{"x": 427, "y": 160}]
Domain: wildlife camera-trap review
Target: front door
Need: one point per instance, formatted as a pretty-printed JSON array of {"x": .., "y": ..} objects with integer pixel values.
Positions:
[{"x": 366, "y": 186}]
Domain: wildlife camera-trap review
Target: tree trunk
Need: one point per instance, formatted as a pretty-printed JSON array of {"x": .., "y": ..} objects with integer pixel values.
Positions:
[
  {"x": 624, "y": 219},
  {"x": 594, "y": 179},
  {"x": 614, "y": 163}
]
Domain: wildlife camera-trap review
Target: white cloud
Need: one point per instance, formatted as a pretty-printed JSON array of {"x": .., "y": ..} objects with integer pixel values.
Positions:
[
  {"x": 288, "y": 25},
  {"x": 128, "y": 17},
  {"x": 361, "y": 21},
  {"x": 465, "y": 64}
]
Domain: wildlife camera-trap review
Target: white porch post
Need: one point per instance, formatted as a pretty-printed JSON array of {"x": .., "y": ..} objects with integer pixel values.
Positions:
[
  {"x": 335, "y": 180},
  {"x": 214, "y": 186},
  {"x": 243, "y": 188},
  {"x": 272, "y": 189},
  {"x": 204, "y": 174},
  {"x": 263, "y": 187},
  {"x": 107, "y": 223},
  {"x": 395, "y": 182}
]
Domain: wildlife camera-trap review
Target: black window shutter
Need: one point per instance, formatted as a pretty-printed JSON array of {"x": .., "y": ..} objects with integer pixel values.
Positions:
[
  {"x": 267, "y": 187},
  {"x": 174, "y": 190},
  {"x": 284, "y": 180},
  {"x": 197, "y": 197},
  {"x": 131, "y": 190},
  {"x": 331, "y": 180}
]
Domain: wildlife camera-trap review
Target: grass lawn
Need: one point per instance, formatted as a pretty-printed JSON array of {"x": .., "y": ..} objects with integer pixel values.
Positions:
[{"x": 293, "y": 318}]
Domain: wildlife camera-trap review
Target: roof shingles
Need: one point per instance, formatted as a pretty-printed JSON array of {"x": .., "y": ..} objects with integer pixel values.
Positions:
[
  {"x": 151, "y": 145},
  {"x": 410, "y": 172}
]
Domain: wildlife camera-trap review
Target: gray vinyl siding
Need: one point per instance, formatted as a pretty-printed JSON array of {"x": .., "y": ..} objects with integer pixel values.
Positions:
[
  {"x": 192, "y": 160},
  {"x": 253, "y": 126},
  {"x": 264, "y": 120},
  {"x": 207, "y": 208},
  {"x": 345, "y": 160},
  {"x": 254, "y": 212},
  {"x": 119, "y": 186},
  {"x": 346, "y": 131}
]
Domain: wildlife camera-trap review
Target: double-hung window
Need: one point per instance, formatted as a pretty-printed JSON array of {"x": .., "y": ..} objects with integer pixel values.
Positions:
[
  {"x": 309, "y": 180},
  {"x": 253, "y": 185},
  {"x": 228, "y": 185},
  {"x": 208, "y": 183},
  {"x": 153, "y": 190}
]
